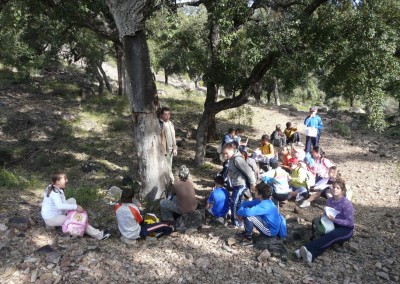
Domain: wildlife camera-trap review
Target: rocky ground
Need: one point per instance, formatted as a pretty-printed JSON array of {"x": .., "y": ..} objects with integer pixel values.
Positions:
[{"x": 31, "y": 253}]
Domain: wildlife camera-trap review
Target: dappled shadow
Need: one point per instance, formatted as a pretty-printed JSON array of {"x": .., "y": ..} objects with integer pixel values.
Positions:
[{"x": 201, "y": 256}]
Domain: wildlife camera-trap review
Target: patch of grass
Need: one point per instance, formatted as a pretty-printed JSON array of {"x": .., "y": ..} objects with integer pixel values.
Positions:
[
  {"x": 393, "y": 131},
  {"x": 84, "y": 195},
  {"x": 341, "y": 128},
  {"x": 11, "y": 180},
  {"x": 207, "y": 166},
  {"x": 119, "y": 125},
  {"x": 6, "y": 156}
]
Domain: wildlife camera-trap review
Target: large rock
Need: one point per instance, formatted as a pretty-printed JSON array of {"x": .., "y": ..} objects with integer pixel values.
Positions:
[
  {"x": 20, "y": 223},
  {"x": 89, "y": 167},
  {"x": 193, "y": 220},
  {"x": 275, "y": 247},
  {"x": 356, "y": 110}
]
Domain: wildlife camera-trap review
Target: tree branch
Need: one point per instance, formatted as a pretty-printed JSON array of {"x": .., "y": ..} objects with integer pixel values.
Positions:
[
  {"x": 313, "y": 6},
  {"x": 255, "y": 77},
  {"x": 275, "y": 5},
  {"x": 3, "y": 3}
]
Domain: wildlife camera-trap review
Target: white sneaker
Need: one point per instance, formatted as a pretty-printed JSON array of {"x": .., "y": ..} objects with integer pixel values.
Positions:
[
  {"x": 305, "y": 204},
  {"x": 297, "y": 253},
  {"x": 128, "y": 241},
  {"x": 299, "y": 197},
  {"x": 305, "y": 254}
]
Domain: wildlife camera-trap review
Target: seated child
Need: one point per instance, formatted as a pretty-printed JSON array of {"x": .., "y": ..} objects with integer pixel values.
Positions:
[
  {"x": 285, "y": 158},
  {"x": 218, "y": 201},
  {"x": 298, "y": 180},
  {"x": 55, "y": 206},
  {"x": 292, "y": 136},
  {"x": 238, "y": 140},
  {"x": 278, "y": 179},
  {"x": 321, "y": 164},
  {"x": 130, "y": 221},
  {"x": 265, "y": 152},
  {"x": 343, "y": 221},
  {"x": 183, "y": 198},
  {"x": 323, "y": 187},
  {"x": 261, "y": 213},
  {"x": 277, "y": 137}
]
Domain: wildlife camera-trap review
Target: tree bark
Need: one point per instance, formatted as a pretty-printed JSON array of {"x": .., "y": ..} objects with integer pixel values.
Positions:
[
  {"x": 276, "y": 92},
  {"x": 212, "y": 107},
  {"x": 212, "y": 128},
  {"x": 104, "y": 75},
  {"x": 143, "y": 99},
  {"x": 119, "y": 51},
  {"x": 207, "y": 122},
  {"x": 165, "y": 77},
  {"x": 99, "y": 79}
]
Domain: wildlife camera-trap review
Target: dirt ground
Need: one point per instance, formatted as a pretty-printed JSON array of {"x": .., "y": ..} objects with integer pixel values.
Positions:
[{"x": 48, "y": 128}]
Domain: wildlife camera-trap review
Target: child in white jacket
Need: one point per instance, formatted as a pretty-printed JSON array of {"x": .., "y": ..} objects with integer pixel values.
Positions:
[{"x": 55, "y": 206}]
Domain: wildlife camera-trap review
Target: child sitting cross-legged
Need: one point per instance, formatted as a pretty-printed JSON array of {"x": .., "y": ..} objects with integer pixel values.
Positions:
[
  {"x": 130, "y": 221},
  {"x": 261, "y": 213},
  {"x": 322, "y": 187},
  {"x": 218, "y": 201}
]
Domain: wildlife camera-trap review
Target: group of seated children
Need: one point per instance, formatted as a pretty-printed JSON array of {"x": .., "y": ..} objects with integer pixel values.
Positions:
[
  {"x": 294, "y": 178},
  {"x": 300, "y": 176}
]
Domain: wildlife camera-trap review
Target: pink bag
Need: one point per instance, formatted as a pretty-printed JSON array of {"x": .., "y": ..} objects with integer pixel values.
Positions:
[{"x": 76, "y": 223}]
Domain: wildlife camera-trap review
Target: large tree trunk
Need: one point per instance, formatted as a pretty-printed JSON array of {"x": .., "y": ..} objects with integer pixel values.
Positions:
[
  {"x": 142, "y": 95},
  {"x": 119, "y": 51},
  {"x": 99, "y": 79},
  {"x": 165, "y": 77},
  {"x": 104, "y": 75},
  {"x": 276, "y": 92},
  {"x": 141, "y": 89},
  {"x": 212, "y": 128},
  {"x": 205, "y": 123},
  {"x": 257, "y": 92}
]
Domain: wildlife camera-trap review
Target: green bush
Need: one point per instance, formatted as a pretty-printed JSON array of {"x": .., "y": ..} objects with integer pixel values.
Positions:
[
  {"x": 341, "y": 128},
  {"x": 84, "y": 195},
  {"x": 119, "y": 125},
  {"x": 9, "y": 179},
  {"x": 12, "y": 180}
]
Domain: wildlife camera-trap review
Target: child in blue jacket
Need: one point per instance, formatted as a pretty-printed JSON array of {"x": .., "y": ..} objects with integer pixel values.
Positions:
[{"x": 261, "y": 213}]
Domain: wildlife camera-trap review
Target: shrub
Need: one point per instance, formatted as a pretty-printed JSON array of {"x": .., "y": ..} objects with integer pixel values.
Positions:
[
  {"x": 341, "y": 128},
  {"x": 119, "y": 125},
  {"x": 9, "y": 179},
  {"x": 84, "y": 195}
]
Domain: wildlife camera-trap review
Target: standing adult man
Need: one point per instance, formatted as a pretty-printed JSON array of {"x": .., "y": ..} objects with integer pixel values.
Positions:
[
  {"x": 168, "y": 141},
  {"x": 314, "y": 127}
]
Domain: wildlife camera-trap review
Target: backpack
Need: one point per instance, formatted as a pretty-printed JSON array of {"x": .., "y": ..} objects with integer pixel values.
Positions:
[
  {"x": 240, "y": 170},
  {"x": 282, "y": 233},
  {"x": 310, "y": 179},
  {"x": 76, "y": 223},
  {"x": 321, "y": 225}
]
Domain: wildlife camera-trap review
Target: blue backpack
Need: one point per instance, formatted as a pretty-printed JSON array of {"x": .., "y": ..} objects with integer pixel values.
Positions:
[{"x": 282, "y": 233}]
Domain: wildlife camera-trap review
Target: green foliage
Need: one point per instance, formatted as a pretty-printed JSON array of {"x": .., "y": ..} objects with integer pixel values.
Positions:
[
  {"x": 242, "y": 115},
  {"x": 84, "y": 195},
  {"x": 119, "y": 125},
  {"x": 9, "y": 179},
  {"x": 12, "y": 180},
  {"x": 375, "y": 110},
  {"x": 341, "y": 128}
]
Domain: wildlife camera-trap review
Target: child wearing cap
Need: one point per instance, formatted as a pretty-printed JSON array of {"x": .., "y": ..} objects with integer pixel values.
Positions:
[
  {"x": 314, "y": 127},
  {"x": 218, "y": 201},
  {"x": 183, "y": 199}
]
